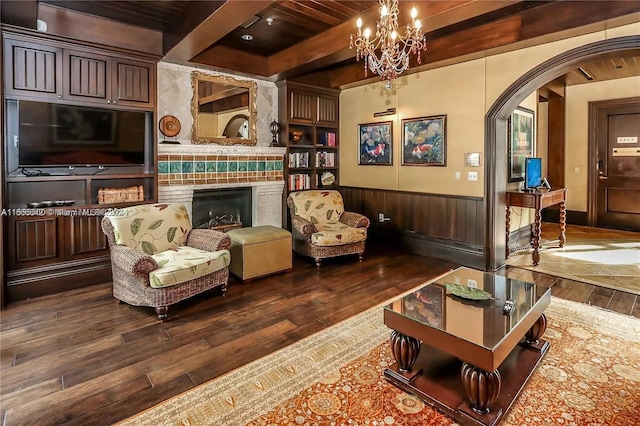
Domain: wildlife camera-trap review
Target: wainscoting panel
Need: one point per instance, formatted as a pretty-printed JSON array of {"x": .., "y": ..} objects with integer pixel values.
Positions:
[{"x": 443, "y": 226}]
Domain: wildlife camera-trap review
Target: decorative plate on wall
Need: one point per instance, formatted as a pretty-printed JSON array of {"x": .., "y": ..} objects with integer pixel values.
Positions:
[{"x": 169, "y": 126}]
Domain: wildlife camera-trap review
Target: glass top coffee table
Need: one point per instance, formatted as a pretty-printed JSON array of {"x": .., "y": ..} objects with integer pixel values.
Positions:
[{"x": 468, "y": 352}]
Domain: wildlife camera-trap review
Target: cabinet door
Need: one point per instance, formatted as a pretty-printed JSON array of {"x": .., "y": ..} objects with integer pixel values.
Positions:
[
  {"x": 85, "y": 77},
  {"x": 32, "y": 70},
  {"x": 302, "y": 106},
  {"x": 327, "y": 110},
  {"x": 84, "y": 237},
  {"x": 34, "y": 241},
  {"x": 133, "y": 83}
]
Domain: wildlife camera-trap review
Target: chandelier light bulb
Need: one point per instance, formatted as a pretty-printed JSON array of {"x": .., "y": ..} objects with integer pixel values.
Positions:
[{"x": 388, "y": 53}]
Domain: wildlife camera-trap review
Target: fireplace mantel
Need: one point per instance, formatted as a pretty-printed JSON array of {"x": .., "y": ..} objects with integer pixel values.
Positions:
[
  {"x": 184, "y": 168},
  {"x": 213, "y": 149}
]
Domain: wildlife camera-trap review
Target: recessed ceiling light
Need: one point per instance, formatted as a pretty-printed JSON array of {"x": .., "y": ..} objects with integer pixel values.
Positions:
[
  {"x": 247, "y": 37},
  {"x": 269, "y": 20}
]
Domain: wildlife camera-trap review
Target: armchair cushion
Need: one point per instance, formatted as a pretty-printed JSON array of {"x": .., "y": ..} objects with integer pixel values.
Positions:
[
  {"x": 186, "y": 263},
  {"x": 318, "y": 206},
  {"x": 337, "y": 234},
  {"x": 151, "y": 228}
]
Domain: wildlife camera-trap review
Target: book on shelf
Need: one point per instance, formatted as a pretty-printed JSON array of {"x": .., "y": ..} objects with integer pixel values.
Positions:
[
  {"x": 327, "y": 139},
  {"x": 298, "y": 181},
  {"x": 299, "y": 159},
  {"x": 325, "y": 159}
]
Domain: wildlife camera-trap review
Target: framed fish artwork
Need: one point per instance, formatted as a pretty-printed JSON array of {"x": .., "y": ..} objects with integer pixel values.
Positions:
[
  {"x": 376, "y": 143},
  {"x": 424, "y": 141}
]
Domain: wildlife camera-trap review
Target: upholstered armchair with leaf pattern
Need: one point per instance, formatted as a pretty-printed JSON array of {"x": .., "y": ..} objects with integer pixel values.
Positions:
[
  {"x": 322, "y": 229},
  {"x": 158, "y": 260}
]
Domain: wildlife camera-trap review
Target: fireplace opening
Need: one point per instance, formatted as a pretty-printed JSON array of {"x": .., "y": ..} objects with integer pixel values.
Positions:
[{"x": 221, "y": 207}]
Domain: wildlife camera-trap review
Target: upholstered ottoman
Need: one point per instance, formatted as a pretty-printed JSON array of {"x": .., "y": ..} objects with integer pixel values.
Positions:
[{"x": 259, "y": 251}]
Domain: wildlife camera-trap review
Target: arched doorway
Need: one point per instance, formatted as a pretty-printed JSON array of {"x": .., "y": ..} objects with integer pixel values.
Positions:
[{"x": 496, "y": 133}]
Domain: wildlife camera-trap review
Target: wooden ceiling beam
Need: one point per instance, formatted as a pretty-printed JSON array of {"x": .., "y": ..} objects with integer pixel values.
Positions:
[
  {"x": 21, "y": 13},
  {"x": 95, "y": 29},
  {"x": 332, "y": 46},
  {"x": 518, "y": 28},
  {"x": 233, "y": 60},
  {"x": 193, "y": 34}
]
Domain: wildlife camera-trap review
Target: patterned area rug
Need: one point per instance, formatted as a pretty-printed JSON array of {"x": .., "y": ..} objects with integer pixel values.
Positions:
[{"x": 590, "y": 376}]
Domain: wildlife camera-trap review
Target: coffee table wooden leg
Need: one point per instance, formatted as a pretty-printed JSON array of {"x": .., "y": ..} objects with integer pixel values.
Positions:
[
  {"x": 482, "y": 387},
  {"x": 536, "y": 331},
  {"x": 405, "y": 350}
]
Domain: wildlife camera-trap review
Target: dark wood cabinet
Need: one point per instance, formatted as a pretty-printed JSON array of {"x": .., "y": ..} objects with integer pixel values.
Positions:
[
  {"x": 311, "y": 132},
  {"x": 133, "y": 83},
  {"x": 52, "y": 253},
  {"x": 307, "y": 105},
  {"x": 32, "y": 69},
  {"x": 84, "y": 237},
  {"x": 59, "y": 248},
  {"x": 52, "y": 249},
  {"x": 80, "y": 74},
  {"x": 87, "y": 77},
  {"x": 33, "y": 241}
]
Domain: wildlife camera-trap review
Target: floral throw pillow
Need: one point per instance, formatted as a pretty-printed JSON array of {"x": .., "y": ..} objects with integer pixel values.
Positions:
[
  {"x": 151, "y": 228},
  {"x": 318, "y": 206}
]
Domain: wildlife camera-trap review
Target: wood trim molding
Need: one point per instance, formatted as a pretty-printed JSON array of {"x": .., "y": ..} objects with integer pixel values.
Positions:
[{"x": 496, "y": 133}]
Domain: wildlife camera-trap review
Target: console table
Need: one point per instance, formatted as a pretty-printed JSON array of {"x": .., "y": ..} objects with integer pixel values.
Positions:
[{"x": 538, "y": 200}]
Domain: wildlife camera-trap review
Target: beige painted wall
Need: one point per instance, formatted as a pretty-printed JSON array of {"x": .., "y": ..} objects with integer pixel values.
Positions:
[
  {"x": 464, "y": 92},
  {"x": 577, "y": 131}
]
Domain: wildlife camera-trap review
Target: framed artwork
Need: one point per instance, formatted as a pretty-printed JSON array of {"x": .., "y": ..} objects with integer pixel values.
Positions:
[
  {"x": 376, "y": 143},
  {"x": 424, "y": 141},
  {"x": 521, "y": 142},
  {"x": 86, "y": 126}
]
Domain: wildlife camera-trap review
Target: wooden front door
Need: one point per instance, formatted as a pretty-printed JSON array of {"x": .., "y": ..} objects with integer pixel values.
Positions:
[{"x": 617, "y": 183}]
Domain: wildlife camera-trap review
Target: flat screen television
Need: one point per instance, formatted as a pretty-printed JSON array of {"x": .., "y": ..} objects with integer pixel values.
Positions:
[
  {"x": 56, "y": 135},
  {"x": 532, "y": 173}
]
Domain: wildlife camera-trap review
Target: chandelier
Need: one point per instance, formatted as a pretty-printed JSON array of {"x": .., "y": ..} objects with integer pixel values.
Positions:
[{"x": 395, "y": 49}]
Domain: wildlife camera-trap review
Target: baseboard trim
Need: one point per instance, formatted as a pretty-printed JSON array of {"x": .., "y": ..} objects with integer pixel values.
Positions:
[
  {"x": 520, "y": 237},
  {"x": 573, "y": 217},
  {"x": 466, "y": 254},
  {"x": 33, "y": 282}
]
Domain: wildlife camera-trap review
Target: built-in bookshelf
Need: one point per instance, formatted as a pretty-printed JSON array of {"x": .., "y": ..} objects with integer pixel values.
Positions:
[{"x": 309, "y": 120}]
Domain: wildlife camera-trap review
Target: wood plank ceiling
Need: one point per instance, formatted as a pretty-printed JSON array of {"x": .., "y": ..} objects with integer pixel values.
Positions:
[
  {"x": 605, "y": 69},
  {"x": 308, "y": 40}
]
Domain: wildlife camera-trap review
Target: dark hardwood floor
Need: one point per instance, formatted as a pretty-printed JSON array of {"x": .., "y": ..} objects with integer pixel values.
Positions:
[{"x": 80, "y": 358}]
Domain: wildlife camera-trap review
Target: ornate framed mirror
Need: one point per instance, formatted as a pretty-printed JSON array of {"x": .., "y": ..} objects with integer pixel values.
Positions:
[{"x": 223, "y": 109}]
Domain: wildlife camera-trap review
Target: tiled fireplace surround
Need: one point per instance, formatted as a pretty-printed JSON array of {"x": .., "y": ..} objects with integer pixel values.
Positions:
[{"x": 182, "y": 169}]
